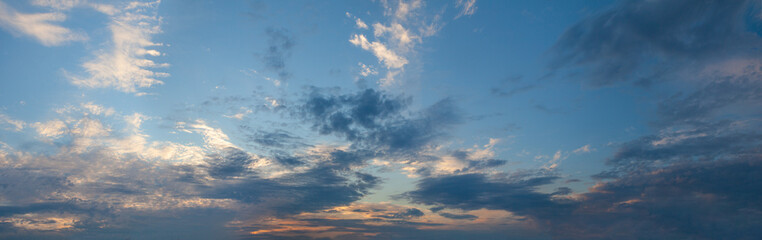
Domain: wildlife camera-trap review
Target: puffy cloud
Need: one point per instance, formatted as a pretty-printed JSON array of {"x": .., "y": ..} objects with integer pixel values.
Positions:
[
  {"x": 361, "y": 24},
  {"x": 373, "y": 119}
]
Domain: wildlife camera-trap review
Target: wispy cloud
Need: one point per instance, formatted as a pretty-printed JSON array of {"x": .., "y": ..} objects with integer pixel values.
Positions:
[
  {"x": 280, "y": 43},
  {"x": 396, "y": 38},
  {"x": 126, "y": 65},
  {"x": 41, "y": 26},
  {"x": 10, "y": 123},
  {"x": 467, "y": 8}
]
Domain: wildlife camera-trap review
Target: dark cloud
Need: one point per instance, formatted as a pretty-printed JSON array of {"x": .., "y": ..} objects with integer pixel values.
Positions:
[
  {"x": 329, "y": 184},
  {"x": 374, "y": 120},
  {"x": 232, "y": 162},
  {"x": 280, "y": 43},
  {"x": 276, "y": 139},
  {"x": 436, "y": 209},
  {"x": 713, "y": 200},
  {"x": 712, "y": 142},
  {"x": 27, "y": 185},
  {"x": 287, "y": 160},
  {"x": 643, "y": 40},
  {"x": 476, "y": 191},
  {"x": 458, "y": 216},
  {"x": 738, "y": 95},
  {"x": 497, "y": 91},
  {"x": 710, "y": 200},
  {"x": 408, "y": 213}
]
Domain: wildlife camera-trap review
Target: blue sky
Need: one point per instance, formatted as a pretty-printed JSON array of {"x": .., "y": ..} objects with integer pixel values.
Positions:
[{"x": 388, "y": 119}]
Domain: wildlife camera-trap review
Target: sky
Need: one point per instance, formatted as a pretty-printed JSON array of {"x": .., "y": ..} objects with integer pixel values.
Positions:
[{"x": 385, "y": 119}]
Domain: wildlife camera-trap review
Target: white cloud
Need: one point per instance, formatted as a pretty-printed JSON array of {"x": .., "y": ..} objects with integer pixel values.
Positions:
[
  {"x": 366, "y": 70},
  {"x": 583, "y": 149},
  {"x": 38, "y": 25},
  {"x": 361, "y": 24},
  {"x": 241, "y": 114},
  {"x": 97, "y": 109},
  {"x": 214, "y": 137},
  {"x": 88, "y": 128},
  {"x": 553, "y": 163},
  {"x": 395, "y": 39},
  {"x": 397, "y": 32},
  {"x": 484, "y": 153},
  {"x": 384, "y": 55},
  {"x": 272, "y": 101},
  {"x": 58, "y": 4},
  {"x": 17, "y": 125},
  {"x": 467, "y": 7},
  {"x": 50, "y": 129},
  {"x": 405, "y": 9},
  {"x": 44, "y": 222},
  {"x": 125, "y": 66}
]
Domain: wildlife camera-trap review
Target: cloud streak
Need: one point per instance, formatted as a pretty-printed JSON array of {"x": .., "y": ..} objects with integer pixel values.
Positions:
[
  {"x": 41, "y": 26},
  {"x": 126, "y": 66}
]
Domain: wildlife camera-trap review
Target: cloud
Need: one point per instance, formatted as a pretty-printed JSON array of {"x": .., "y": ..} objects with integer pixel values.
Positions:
[
  {"x": 232, "y": 162},
  {"x": 387, "y": 57},
  {"x": 280, "y": 43},
  {"x": 16, "y": 125},
  {"x": 373, "y": 119},
  {"x": 361, "y": 24},
  {"x": 705, "y": 200},
  {"x": 324, "y": 186},
  {"x": 39, "y": 25},
  {"x": 712, "y": 142},
  {"x": 644, "y": 41},
  {"x": 467, "y": 8},
  {"x": 503, "y": 93},
  {"x": 458, "y": 216},
  {"x": 276, "y": 139},
  {"x": 396, "y": 38},
  {"x": 366, "y": 70},
  {"x": 583, "y": 149},
  {"x": 126, "y": 65},
  {"x": 722, "y": 95},
  {"x": 408, "y": 213},
  {"x": 476, "y": 191}
]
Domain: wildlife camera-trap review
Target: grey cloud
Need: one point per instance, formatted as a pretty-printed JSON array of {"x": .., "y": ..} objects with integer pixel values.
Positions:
[
  {"x": 709, "y": 200},
  {"x": 276, "y": 138},
  {"x": 711, "y": 142},
  {"x": 374, "y": 120},
  {"x": 329, "y": 184},
  {"x": 28, "y": 185},
  {"x": 458, "y": 216},
  {"x": 643, "y": 40},
  {"x": 713, "y": 98},
  {"x": 714, "y": 200},
  {"x": 231, "y": 163},
  {"x": 476, "y": 191},
  {"x": 280, "y": 43},
  {"x": 408, "y": 213}
]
